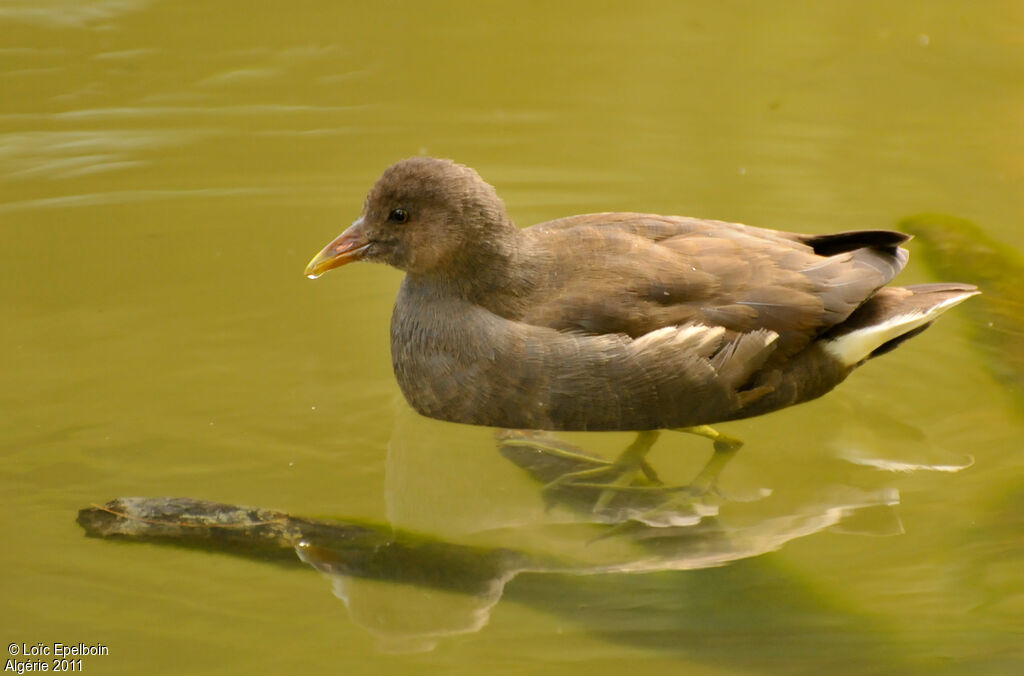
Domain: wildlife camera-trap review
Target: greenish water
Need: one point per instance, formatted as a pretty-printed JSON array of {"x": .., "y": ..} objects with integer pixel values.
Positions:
[{"x": 167, "y": 169}]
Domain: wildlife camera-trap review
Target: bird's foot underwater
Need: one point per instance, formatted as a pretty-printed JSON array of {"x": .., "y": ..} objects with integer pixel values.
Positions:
[
  {"x": 624, "y": 475},
  {"x": 630, "y": 473},
  {"x": 624, "y": 490},
  {"x": 653, "y": 504}
]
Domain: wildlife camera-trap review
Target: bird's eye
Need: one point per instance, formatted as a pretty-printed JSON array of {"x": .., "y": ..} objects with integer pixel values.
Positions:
[{"x": 398, "y": 216}]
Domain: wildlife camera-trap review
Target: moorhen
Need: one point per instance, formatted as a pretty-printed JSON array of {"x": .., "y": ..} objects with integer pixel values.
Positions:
[{"x": 620, "y": 321}]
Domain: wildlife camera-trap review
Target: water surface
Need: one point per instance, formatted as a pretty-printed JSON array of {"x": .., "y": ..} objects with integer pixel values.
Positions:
[{"x": 167, "y": 169}]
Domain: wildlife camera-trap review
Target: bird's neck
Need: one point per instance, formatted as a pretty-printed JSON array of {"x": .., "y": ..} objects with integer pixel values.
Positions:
[{"x": 495, "y": 277}]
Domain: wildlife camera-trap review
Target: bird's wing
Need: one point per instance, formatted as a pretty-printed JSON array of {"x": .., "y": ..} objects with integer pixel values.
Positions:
[{"x": 635, "y": 273}]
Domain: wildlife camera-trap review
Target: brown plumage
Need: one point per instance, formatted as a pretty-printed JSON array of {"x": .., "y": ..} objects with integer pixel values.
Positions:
[{"x": 623, "y": 321}]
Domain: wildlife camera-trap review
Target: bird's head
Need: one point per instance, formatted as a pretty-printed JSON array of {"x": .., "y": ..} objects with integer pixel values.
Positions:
[{"x": 424, "y": 215}]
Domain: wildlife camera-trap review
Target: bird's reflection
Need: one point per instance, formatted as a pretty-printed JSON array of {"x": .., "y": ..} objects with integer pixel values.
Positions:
[
  {"x": 491, "y": 533},
  {"x": 650, "y": 530}
]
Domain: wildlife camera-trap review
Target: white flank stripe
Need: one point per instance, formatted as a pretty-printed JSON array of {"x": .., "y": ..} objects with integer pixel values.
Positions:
[{"x": 677, "y": 335}]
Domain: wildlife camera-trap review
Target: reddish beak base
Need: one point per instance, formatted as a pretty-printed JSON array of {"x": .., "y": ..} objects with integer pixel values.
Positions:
[{"x": 348, "y": 247}]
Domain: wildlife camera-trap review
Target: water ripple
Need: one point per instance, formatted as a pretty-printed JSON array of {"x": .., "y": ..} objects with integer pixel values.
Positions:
[
  {"x": 131, "y": 196},
  {"x": 156, "y": 111},
  {"x": 64, "y": 154},
  {"x": 67, "y": 13}
]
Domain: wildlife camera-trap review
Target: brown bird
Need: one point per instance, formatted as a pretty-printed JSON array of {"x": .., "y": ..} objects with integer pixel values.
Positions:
[{"x": 620, "y": 321}]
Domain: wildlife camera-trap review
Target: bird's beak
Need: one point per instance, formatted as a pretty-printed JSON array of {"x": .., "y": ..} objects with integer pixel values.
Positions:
[{"x": 346, "y": 248}]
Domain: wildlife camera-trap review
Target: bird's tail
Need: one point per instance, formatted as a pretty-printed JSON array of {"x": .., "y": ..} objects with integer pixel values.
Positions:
[{"x": 892, "y": 315}]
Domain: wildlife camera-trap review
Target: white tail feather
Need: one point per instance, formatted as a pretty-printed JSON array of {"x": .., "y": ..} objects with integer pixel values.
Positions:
[{"x": 856, "y": 346}]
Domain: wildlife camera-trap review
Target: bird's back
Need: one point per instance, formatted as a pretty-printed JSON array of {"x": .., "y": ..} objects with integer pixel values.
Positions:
[{"x": 635, "y": 273}]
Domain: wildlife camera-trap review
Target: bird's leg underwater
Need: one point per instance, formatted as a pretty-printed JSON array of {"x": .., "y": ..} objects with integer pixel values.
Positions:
[
  {"x": 549, "y": 459},
  {"x": 577, "y": 478},
  {"x": 725, "y": 448},
  {"x": 622, "y": 475},
  {"x": 574, "y": 476},
  {"x": 619, "y": 475}
]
